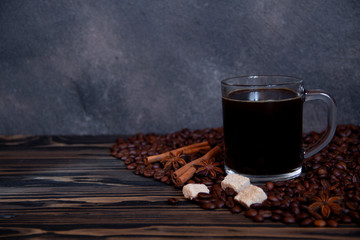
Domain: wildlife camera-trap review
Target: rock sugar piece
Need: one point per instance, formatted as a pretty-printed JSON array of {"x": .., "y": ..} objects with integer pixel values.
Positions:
[
  {"x": 191, "y": 190},
  {"x": 236, "y": 182},
  {"x": 250, "y": 195}
]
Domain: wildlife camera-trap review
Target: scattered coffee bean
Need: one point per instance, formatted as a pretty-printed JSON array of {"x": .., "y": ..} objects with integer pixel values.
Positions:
[
  {"x": 149, "y": 172},
  {"x": 269, "y": 186},
  {"x": 273, "y": 198},
  {"x": 203, "y": 201},
  {"x": 131, "y": 166},
  {"x": 276, "y": 217},
  {"x": 202, "y": 195},
  {"x": 258, "y": 218},
  {"x": 159, "y": 173},
  {"x": 230, "y": 192},
  {"x": 209, "y": 206},
  {"x": 332, "y": 223},
  {"x": 230, "y": 203},
  {"x": 301, "y": 216},
  {"x": 319, "y": 223},
  {"x": 295, "y": 210},
  {"x": 173, "y": 201},
  {"x": 265, "y": 213},
  {"x": 251, "y": 213},
  {"x": 277, "y": 211},
  {"x": 236, "y": 209},
  {"x": 306, "y": 222},
  {"x": 289, "y": 220},
  {"x": 256, "y": 205},
  {"x": 219, "y": 203},
  {"x": 334, "y": 171}
]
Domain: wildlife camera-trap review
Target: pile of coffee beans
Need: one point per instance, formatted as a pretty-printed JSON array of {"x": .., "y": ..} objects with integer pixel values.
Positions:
[{"x": 326, "y": 194}]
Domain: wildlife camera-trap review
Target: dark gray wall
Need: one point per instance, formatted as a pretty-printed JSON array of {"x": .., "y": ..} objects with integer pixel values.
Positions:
[{"x": 111, "y": 67}]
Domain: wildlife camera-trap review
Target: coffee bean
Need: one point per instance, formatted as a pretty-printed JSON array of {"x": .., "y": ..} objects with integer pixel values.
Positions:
[
  {"x": 270, "y": 186},
  {"x": 156, "y": 166},
  {"x": 230, "y": 192},
  {"x": 287, "y": 214},
  {"x": 149, "y": 172},
  {"x": 332, "y": 223},
  {"x": 258, "y": 218},
  {"x": 208, "y": 206},
  {"x": 251, "y": 213},
  {"x": 301, "y": 216},
  {"x": 277, "y": 211},
  {"x": 203, "y": 201},
  {"x": 219, "y": 203},
  {"x": 173, "y": 201},
  {"x": 128, "y": 160},
  {"x": 316, "y": 215},
  {"x": 164, "y": 179},
  {"x": 196, "y": 200},
  {"x": 177, "y": 186},
  {"x": 140, "y": 166},
  {"x": 355, "y": 216},
  {"x": 197, "y": 180},
  {"x": 265, "y": 213},
  {"x": 306, "y": 184},
  {"x": 316, "y": 166},
  {"x": 322, "y": 172},
  {"x": 159, "y": 173},
  {"x": 236, "y": 209},
  {"x": 273, "y": 198},
  {"x": 207, "y": 181},
  {"x": 341, "y": 165},
  {"x": 279, "y": 183},
  {"x": 288, "y": 220},
  {"x": 230, "y": 203},
  {"x": 203, "y": 195},
  {"x": 351, "y": 206},
  {"x": 267, "y": 204},
  {"x": 294, "y": 204},
  {"x": 131, "y": 166},
  {"x": 349, "y": 187},
  {"x": 300, "y": 188},
  {"x": 256, "y": 205},
  {"x": 295, "y": 210},
  {"x": 306, "y": 222},
  {"x": 319, "y": 223},
  {"x": 284, "y": 205},
  {"x": 356, "y": 198},
  {"x": 276, "y": 217}
]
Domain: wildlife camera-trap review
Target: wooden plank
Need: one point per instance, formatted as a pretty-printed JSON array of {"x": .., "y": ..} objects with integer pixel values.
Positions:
[{"x": 71, "y": 188}]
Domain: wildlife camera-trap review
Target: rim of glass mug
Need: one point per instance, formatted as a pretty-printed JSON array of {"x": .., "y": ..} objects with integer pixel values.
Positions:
[{"x": 261, "y": 81}]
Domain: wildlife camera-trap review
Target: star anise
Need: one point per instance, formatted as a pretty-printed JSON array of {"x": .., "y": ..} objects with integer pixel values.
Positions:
[
  {"x": 207, "y": 167},
  {"x": 176, "y": 160},
  {"x": 326, "y": 204}
]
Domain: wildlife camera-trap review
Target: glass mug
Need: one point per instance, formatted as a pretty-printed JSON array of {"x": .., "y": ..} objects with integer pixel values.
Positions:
[{"x": 263, "y": 126}]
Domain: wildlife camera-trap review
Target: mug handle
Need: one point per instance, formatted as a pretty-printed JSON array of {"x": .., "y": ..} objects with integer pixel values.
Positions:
[{"x": 311, "y": 95}]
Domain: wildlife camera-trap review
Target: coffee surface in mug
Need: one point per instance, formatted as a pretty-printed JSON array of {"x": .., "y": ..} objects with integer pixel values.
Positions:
[{"x": 263, "y": 131}]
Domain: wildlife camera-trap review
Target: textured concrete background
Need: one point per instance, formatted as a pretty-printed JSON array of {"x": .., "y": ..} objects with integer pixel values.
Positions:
[{"x": 122, "y": 67}]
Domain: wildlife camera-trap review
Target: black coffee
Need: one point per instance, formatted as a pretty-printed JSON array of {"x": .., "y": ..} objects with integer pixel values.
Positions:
[{"x": 263, "y": 131}]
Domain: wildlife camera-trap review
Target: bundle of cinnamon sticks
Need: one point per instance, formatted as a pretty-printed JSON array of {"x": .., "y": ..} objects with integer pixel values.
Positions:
[{"x": 186, "y": 172}]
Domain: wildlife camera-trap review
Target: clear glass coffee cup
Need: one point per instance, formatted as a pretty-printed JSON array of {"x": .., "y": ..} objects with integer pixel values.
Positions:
[{"x": 263, "y": 126}]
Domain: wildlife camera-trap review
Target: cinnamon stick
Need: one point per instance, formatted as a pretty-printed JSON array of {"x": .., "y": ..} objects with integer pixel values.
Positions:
[
  {"x": 186, "y": 176},
  {"x": 187, "y": 169},
  {"x": 190, "y": 149}
]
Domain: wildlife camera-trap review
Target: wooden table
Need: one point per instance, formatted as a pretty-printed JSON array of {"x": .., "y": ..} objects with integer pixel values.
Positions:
[{"x": 71, "y": 188}]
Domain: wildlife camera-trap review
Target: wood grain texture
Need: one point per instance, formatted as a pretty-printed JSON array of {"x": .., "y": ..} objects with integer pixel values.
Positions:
[{"x": 71, "y": 188}]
